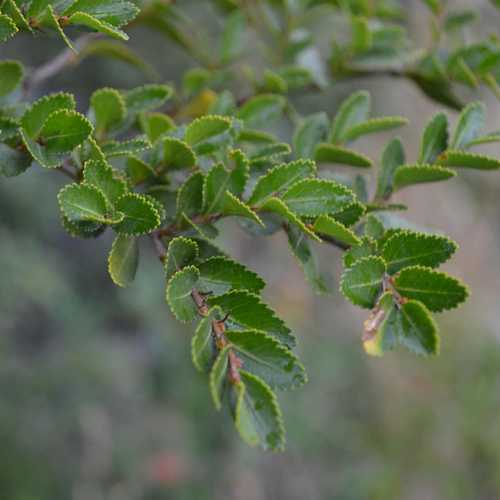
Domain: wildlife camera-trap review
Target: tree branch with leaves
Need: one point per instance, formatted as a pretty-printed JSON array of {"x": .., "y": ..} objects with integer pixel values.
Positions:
[{"x": 171, "y": 173}]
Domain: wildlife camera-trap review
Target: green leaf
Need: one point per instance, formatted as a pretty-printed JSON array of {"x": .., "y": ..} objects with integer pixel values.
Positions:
[
  {"x": 295, "y": 77},
  {"x": 113, "y": 149},
  {"x": 247, "y": 309},
  {"x": 181, "y": 252},
  {"x": 240, "y": 172},
  {"x": 311, "y": 131},
  {"x": 218, "y": 377},
  {"x": 233, "y": 37},
  {"x": 410, "y": 324},
  {"x": 12, "y": 161},
  {"x": 351, "y": 214},
  {"x": 392, "y": 159},
  {"x": 458, "y": 19},
  {"x": 366, "y": 248},
  {"x": 147, "y": 98},
  {"x": 115, "y": 13},
  {"x": 256, "y": 136},
  {"x": 328, "y": 226},
  {"x": 84, "y": 19},
  {"x": 224, "y": 104},
  {"x": 179, "y": 289},
  {"x": 301, "y": 248},
  {"x": 311, "y": 197},
  {"x": 141, "y": 215},
  {"x": 108, "y": 108},
  {"x": 8, "y": 128},
  {"x": 11, "y": 76},
  {"x": 80, "y": 202},
  {"x": 418, "y": 331},
  {"x": 190, "y": 196},
  {"x": 177, "y": 155},
  {"x": 138, "y": 171},
  {"x": 207, "y": 248},
  {"x": 271, "y": 152},
  {"x": 354, "y": 110},
  {"x": 102, "y": 176},
  {"x": 12, "y": 9},
  {"x": 362, "y": 282},
  {"x": 280, "y": 178},
  {"x": 408, "y": 175},
  {"x": 208, "y": 133},
  {"x": 234, "y": 206},
  {"x": 62, "y": 132},
  {"x": 462, "y": 159},
  {"x": 155, "y": 125},
  {"x": 7, "y": 28},
  {"x": 329, "y": 153},
  {"x": 205, "y": 232},
  {"x": 219, "y": 275},
  {"x": 272, "y": 82},
  {"x": 195, "y": 80},
  {"x": 486, "y": 139},
  {"x": 408, "y": 248},
  {"x": 434, "y": 139},
  {"x": 276, "y": 206},
  {"x": 50, "y": 19},
  {"x": 361, "y": 34},
  {"x": 265, "y": 357},
  {"x": 123, "y": 259},
  {"x": 469, "y": 125},
  {"x": 257, "y": 415},
  {"x": 439, "y": 89},
  {"x": 203, "y": 348},
  {"x": 217, "y": 181},
  {"x": 90, "y": 150},
  {"x": 37, "y": 114},
  {"x": 373, "y": 126},
  {"x": 262, "y": 110},
  {"x": 434, "y": 5},
  {"x": 436, "y": 290},
  {"x": 82, "y": 229},
  {"x": 374, "y": 228}
]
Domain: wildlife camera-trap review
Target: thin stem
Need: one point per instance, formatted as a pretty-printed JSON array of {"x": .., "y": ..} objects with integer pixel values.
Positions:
[
  {"x": 51, "y": 68},
  {"x": 174, "y": 228},
  {"x": 218, "y": 326}
]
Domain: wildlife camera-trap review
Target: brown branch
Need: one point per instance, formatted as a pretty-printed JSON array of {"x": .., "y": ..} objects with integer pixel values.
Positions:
[
  {"x": 218, "y": 326},
  {"x": 174, "y": 228},
  {"x": 65, "y": 58}
]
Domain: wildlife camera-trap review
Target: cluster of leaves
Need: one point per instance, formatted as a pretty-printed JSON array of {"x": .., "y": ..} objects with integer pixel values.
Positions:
[
  {"x": 103, "y": 16},
  {"x": 146, "y": 166},
  {"x": 370, "y": 38}
]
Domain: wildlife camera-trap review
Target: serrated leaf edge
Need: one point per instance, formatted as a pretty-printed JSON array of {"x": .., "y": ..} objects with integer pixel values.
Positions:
[
  {"x": 443, "y": 275},
  {"x": 350, "y": 269},
  {"x": 184, "y": 270}
]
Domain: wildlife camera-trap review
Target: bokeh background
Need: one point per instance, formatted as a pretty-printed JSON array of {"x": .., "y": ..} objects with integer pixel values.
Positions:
[{"x": 98, "y": 397}]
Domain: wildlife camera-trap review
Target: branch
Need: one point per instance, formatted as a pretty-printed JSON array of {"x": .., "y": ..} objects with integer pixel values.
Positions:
[
  {"x": 218, "y": 326},
  {"x": 174, "y": 228},
  {"x": 65, "y": 58}
]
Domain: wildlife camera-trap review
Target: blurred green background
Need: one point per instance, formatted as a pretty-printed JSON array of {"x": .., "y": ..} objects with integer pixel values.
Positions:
[{"x": 99, "y": 400}]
